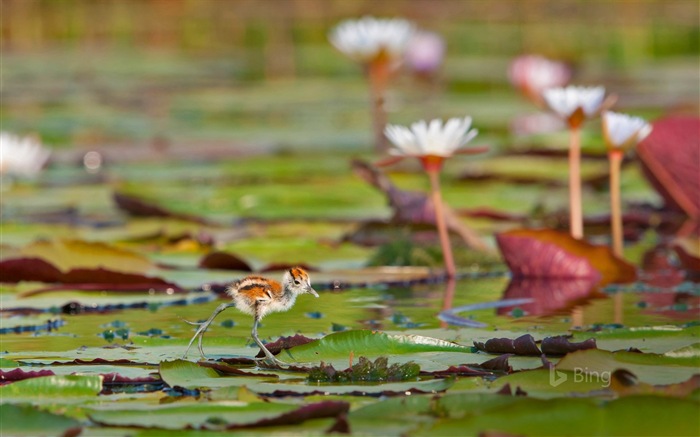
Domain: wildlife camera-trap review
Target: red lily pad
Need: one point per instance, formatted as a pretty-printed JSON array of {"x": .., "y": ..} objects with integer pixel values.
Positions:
[
  {"x": 19, "y": 374},
  {"x": 560, "y": 345},
  {"x": 285, "y": 343},
  {"x": 523, "y": 345},
  {"x": 670, "y": 158},
  {"x": 28, "y": 269},
  {"x": 545, "y": 253},
  {"x": 38, "y": 270},
  {"x": 689, "y": 261}
]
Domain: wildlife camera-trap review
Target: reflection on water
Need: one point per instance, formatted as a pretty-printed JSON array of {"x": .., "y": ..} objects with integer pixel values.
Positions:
[{"x": 550, "y": 296}]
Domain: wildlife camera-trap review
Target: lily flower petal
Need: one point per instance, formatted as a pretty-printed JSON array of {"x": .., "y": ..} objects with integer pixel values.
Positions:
[
  {"x": 622, "y": 131},
  {"x": 368, "y": 38}
]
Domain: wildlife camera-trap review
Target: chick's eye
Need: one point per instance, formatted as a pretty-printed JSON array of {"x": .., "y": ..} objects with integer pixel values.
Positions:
[{"x": 296, "y": 282}]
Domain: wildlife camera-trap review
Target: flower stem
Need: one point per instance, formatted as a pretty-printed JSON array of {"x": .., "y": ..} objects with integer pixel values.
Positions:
[
  {"x": 436, "y": 196},
  {"x": 575, "y": 208},
  {"x": 378, "y": 72},
  {"x": 615, "y": 157}
]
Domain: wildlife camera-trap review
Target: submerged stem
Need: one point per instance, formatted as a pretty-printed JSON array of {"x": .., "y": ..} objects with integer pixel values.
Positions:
[
  {"x": 615, "y": 157},
  {"x": 575, "y": 207},
  {"x": 436, "y": 197}
]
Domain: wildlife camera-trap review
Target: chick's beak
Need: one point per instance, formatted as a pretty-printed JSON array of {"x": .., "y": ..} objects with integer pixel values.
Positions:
[{"x": 311, "y": 291}]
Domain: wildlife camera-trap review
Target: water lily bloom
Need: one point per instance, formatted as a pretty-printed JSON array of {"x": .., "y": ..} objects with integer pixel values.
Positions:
[
  {"x": 533, "y": 74},
  {"x": 379, "y": 45},
  {"x": 367, "y": 39},
  {"x": 575, "y": 103},
  {"x": 21, "y": 156},
  {"x": 622, "y": 131},
  {"x": 432, "y": 143}
]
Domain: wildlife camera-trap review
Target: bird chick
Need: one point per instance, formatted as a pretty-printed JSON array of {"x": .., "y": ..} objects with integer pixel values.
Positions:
[{"x": 258, "y": 297}]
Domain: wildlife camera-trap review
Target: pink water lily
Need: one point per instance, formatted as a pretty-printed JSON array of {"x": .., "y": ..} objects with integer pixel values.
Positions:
[{"x": 533, "y": 74}]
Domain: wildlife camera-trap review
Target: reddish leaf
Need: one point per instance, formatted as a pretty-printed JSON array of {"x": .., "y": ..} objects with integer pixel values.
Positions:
[
  {"x": 139, "y": 207},
  {"x": 224, "y": 261},
  {"x": 19, "y": 374},
  {"x": 671, "y": 161},
  {"x": 38, "y": 270},
  {"x": 105, "y": 280},
  {"x": 461, "y": 370},
  {"x": 28, "y": 269},
  {"x": 523, "y": 345},
  {"x": 560, "y": 345},
  {"x": 690, "y": 262},
  {"x": 499, "y": 363},
  {"x": 550, "y": 296},
  {"x": 341, "y": 426},
  {"x": 316, "y": 410},
  {"x": 285, "y": 343},
  {"x": 101, "y": 361},
  {"x": 545, "y": 253}
]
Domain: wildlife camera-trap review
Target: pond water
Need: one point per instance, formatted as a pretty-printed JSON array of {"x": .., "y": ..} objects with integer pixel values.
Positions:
[{"x": 284, "y": 193}]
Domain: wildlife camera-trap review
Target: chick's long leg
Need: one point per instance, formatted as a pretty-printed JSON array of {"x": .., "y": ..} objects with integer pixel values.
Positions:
[
  {"x": 269, "y": 357},
  {"x": 204, "y": 326}
]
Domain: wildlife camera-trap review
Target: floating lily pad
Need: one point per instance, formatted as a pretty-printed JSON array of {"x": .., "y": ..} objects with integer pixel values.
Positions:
[
  {"x": 545, "y": 253},
  {"x": 367, "y": 343},
  {"x": 26, "y": 420}
]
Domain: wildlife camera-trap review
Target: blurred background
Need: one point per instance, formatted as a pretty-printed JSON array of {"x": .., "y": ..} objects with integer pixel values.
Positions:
[{"x": 260, "y": 75}]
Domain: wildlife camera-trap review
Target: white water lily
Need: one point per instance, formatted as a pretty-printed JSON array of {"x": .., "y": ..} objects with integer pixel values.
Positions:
[
  {"x": 621, "y": 130},
  {"x": 430, "y": 139},
  {"x": 368, "y": 38},
  {"x": 566, "y": 102},
  {"x": 21, "y": 156}
]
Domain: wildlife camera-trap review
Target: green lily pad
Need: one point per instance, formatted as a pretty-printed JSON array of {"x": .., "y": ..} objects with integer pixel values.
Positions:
[
  {"x": 632, "y": 415},
  {"x": 649, "y": 368},
  {"x": 191, "y": 375},
  {"x": 192, "y": 414},
  {"x": 51, "y": 389},
  {"x": 26, "y": 420},
  {"x": 368, "y": 343}
]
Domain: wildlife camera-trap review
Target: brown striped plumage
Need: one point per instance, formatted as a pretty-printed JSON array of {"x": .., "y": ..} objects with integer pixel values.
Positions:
[{"x": 259, "y": 296}]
